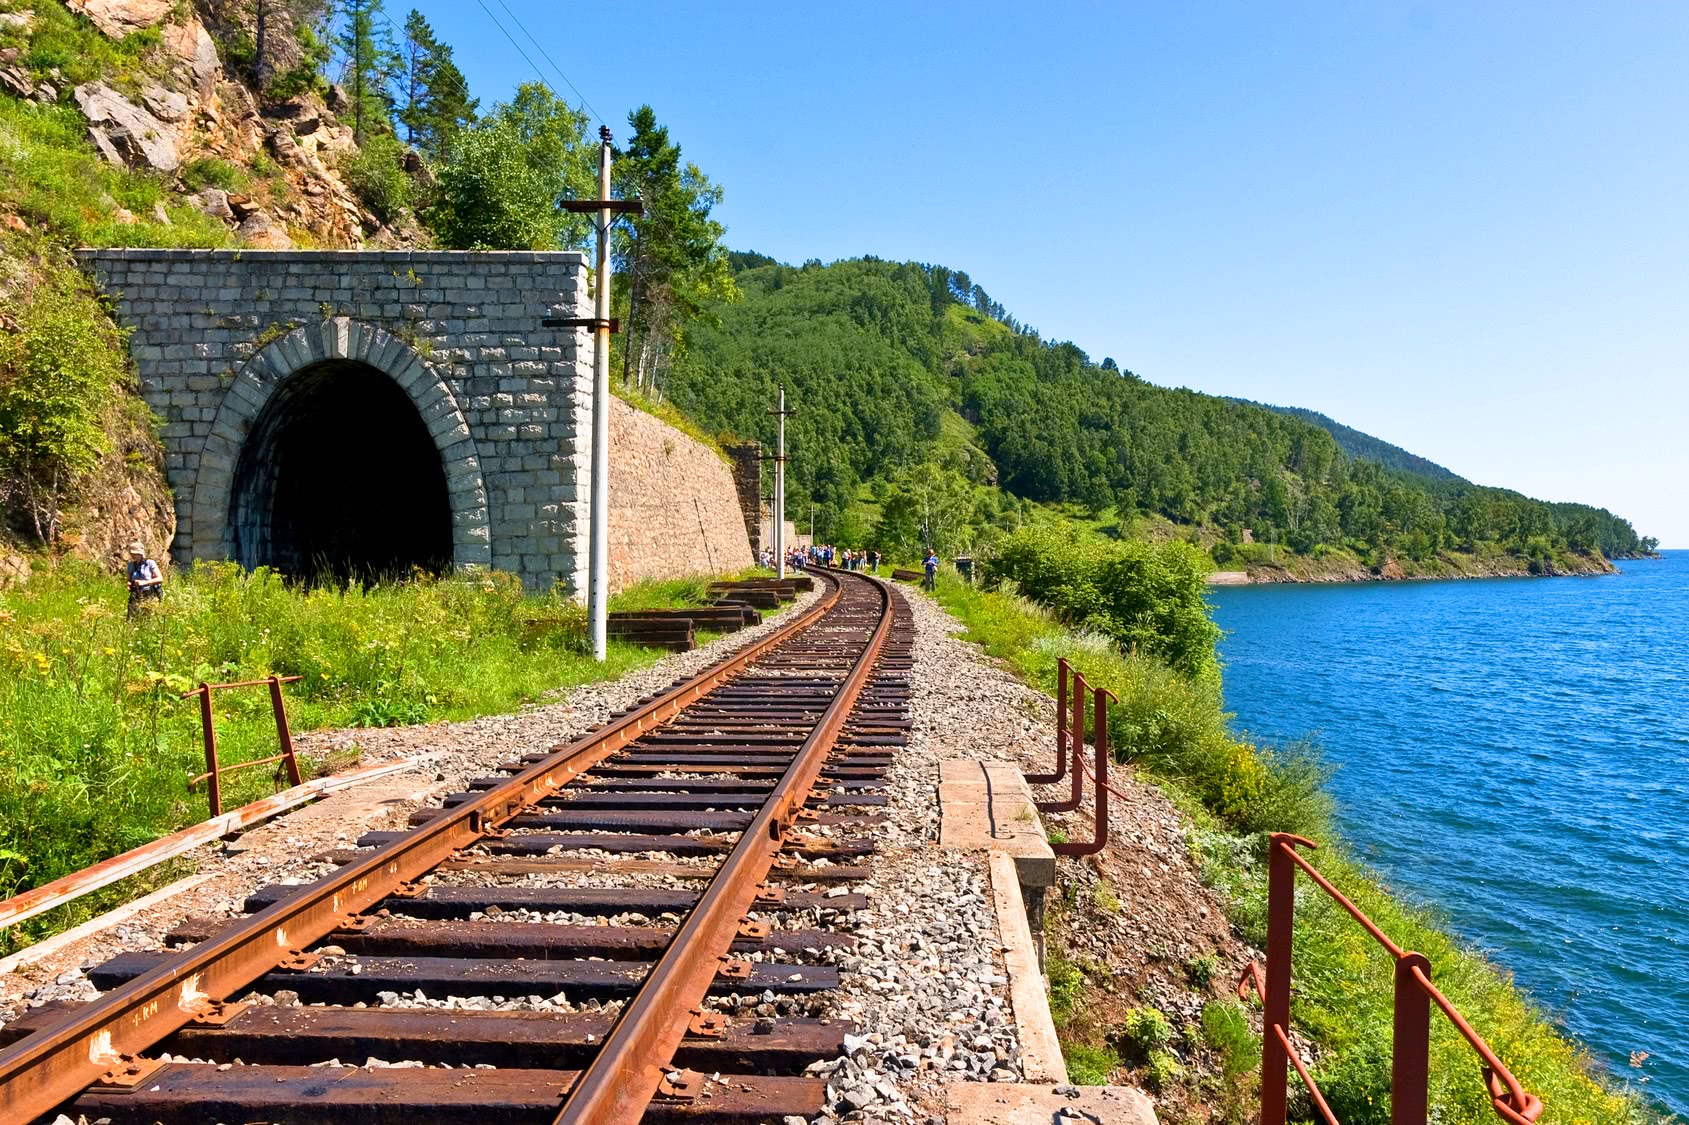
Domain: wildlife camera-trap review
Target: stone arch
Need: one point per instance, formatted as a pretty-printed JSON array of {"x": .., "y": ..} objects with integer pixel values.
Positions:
[{"x": 339, "y": 339}]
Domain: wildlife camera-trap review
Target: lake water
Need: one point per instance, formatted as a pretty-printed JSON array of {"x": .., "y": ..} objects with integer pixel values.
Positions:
[{"x": 1516, "y": 753}]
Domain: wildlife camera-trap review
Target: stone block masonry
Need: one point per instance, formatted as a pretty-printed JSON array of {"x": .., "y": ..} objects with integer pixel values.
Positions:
[
  {"x": 295, "y": 391},
  {"x": 674, "y": 504}
]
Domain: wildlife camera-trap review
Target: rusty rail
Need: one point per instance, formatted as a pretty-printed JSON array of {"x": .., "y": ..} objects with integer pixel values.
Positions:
[
  {"x": 50, "y": 896},
  {"x": 1414, "y": 994},
  {"x": 630, "y": 1068},
  {"x": 101, "y": 1041},
  {"x": 214, "y": 771},
  {"x": 1061, "y": 730},
  {"x": 1074, "y": 739}
]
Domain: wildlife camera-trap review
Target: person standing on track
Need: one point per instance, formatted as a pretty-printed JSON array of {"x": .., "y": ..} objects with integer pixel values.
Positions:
[{"x": 931, "y": 567}]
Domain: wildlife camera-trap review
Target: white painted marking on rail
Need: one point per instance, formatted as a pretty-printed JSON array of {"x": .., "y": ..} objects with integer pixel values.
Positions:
[
  {"x": 190, "y": 996},
  {"x": 100, "y": 1050}
]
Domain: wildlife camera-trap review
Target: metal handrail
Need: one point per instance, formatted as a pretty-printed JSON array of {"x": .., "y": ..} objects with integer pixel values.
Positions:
[
  {"x": 1414, "y": 993},
  {"x": 214, "y": 770}
]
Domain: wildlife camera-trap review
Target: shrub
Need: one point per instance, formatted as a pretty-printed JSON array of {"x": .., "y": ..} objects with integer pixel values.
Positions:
[
  {"x": 1202, "y": 970},
  {"x": 209, "y": 171},
  {"x": 1147, "y": 596},
  {"x": 1162, "y": 1070},
  {"x": 490, "y": 197},
  {"x": 59, "y": 373},
  {"x": 376, "y": 174},
  {"x": 1145, "y": 1030}
]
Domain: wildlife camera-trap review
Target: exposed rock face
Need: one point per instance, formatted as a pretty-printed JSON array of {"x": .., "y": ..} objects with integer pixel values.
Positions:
[
  {"x": 14, "y": 571},
  {"x": 118, "y": 18},
  {"x": 196, "y": 54},
  {"x": 214, "y": 202},
  {"x": 125, "y": 133},
  {"x": 264, "y": 233}
]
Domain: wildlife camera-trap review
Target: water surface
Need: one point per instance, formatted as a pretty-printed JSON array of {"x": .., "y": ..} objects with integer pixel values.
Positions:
[{"x": 1515, "y": 752}]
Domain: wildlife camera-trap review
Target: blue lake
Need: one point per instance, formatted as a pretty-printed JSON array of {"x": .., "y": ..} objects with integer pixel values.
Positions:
[{"x": 1514, "y": 752}]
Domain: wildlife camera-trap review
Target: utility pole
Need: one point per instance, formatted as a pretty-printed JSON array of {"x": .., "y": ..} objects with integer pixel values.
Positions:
[
  {"x": 598, "y": 515},
  {"x": 598, "y": 542},
  {"x": 780, "y": 489}
]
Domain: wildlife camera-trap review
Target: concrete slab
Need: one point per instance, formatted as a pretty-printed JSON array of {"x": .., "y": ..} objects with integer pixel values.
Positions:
[
  {"x": 987, "y": 806},
  {"x": 1002, "y": 1103},
  {"x": 1040, "y": 1051}
]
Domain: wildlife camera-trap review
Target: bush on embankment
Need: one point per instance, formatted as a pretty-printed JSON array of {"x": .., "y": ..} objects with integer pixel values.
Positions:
[
  {"x": 1175, "y": 729},
  {"x": 96, "y": 743}
]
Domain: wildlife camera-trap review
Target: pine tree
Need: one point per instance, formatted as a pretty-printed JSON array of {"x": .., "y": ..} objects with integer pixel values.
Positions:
[
  {"x": 435, "y": 95},
  {"x": 371, "y": 63},
  {"x": 671, "y": 258}
]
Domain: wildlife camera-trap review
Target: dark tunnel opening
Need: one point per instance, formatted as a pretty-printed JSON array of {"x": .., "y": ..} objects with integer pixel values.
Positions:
[{"x": 340, "y": 481}]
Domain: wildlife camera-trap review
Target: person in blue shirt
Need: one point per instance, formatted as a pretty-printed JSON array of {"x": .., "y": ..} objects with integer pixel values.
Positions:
[
  {"x": 931, "y": 567},
  {"x": 146, "y": 581}
]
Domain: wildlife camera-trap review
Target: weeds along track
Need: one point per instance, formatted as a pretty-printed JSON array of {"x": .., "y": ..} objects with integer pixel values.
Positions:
[{"x": 639, "y": 925}]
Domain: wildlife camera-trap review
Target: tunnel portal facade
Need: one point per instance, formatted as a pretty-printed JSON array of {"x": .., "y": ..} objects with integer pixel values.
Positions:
[{"x": 353, "y": 414}]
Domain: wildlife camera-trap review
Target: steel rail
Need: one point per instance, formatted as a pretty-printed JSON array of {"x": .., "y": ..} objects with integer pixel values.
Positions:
[
  {"x": 44, "y": 1070},
  {"x": 631, "y": 1066}
]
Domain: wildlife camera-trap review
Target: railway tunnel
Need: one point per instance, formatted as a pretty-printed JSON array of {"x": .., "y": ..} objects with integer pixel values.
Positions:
[
  {"x": 354, "y": 414},
  {"x": 322, "y": 494}
]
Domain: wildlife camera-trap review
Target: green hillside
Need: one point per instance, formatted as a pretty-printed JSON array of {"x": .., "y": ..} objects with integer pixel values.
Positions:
[
  {"x": 916, "y": 393},
  {"x": 1366, "y": 447}
]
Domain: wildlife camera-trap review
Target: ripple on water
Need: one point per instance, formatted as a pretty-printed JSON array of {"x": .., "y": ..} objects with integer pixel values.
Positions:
[{"x": 1514, "y": 753}]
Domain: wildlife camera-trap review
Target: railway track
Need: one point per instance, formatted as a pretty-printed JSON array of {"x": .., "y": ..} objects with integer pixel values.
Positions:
[{"x": 638, "y": 925}]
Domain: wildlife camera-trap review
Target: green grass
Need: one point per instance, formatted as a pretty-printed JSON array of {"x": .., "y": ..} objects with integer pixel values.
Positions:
[
  {"x": 96, "y": 743},
  {"x": 80, "y": 52},
  {"x": 1088, "y": 1066},
  {"x": 1234, "y": 791},
  {"x": 52, "y": 177}
]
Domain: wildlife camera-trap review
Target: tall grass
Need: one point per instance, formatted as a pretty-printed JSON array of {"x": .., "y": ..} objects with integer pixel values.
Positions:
[
  {"x": 1176, "y": 729},
  {"x": 96, "y": 743},
  {"x": 1174, "y": 726}
]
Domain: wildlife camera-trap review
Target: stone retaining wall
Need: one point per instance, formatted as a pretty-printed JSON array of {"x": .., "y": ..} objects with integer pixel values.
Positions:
[{"x": 674, "y": 504}]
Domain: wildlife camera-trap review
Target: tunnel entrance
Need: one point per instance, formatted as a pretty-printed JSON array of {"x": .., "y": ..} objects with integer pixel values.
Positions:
[{"x": 339, "y": 480}]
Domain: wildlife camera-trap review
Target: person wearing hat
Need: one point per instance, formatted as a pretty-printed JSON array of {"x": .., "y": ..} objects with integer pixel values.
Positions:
[{"x": 146, "y": 582}]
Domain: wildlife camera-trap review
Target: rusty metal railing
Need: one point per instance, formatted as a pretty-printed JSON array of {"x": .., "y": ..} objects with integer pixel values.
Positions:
[
  {"x": 214, "y": 771},
  {"x": 1075, "y": 736},
  {"x": 1410, "y": 1061}
]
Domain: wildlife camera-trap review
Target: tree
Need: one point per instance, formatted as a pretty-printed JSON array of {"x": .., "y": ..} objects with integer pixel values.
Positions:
[
  {"x": 671, "y": 260},
  {"x": 489, "y": 197},
  {"x": 434, "y": 94},
  {"x": 504, "y": 175},
  {"x": 371, "y": 63}
]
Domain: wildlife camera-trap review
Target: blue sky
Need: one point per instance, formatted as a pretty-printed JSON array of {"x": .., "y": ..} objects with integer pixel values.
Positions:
[{"x": 1460, "y": 227}]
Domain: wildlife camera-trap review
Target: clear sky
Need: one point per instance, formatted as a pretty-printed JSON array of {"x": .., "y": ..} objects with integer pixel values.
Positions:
[{"x": 1462, "y": 227}]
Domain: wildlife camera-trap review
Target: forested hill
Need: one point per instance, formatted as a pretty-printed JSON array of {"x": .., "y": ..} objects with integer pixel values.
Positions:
[
  {"x": 913, "y": 390},
  {"x": 1362, "y": 445}
]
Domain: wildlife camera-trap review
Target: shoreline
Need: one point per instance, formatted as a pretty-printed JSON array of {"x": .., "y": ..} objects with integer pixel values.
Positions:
[{"x": 1353, "y": 574}]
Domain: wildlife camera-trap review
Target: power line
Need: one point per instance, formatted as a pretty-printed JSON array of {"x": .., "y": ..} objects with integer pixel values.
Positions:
[
  {"x": 540, "y": 74},
  {"x": 547, "y": 57}
]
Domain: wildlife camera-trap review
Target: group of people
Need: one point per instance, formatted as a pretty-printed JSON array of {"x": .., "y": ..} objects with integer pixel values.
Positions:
[{"x": 825, "y": 554}]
